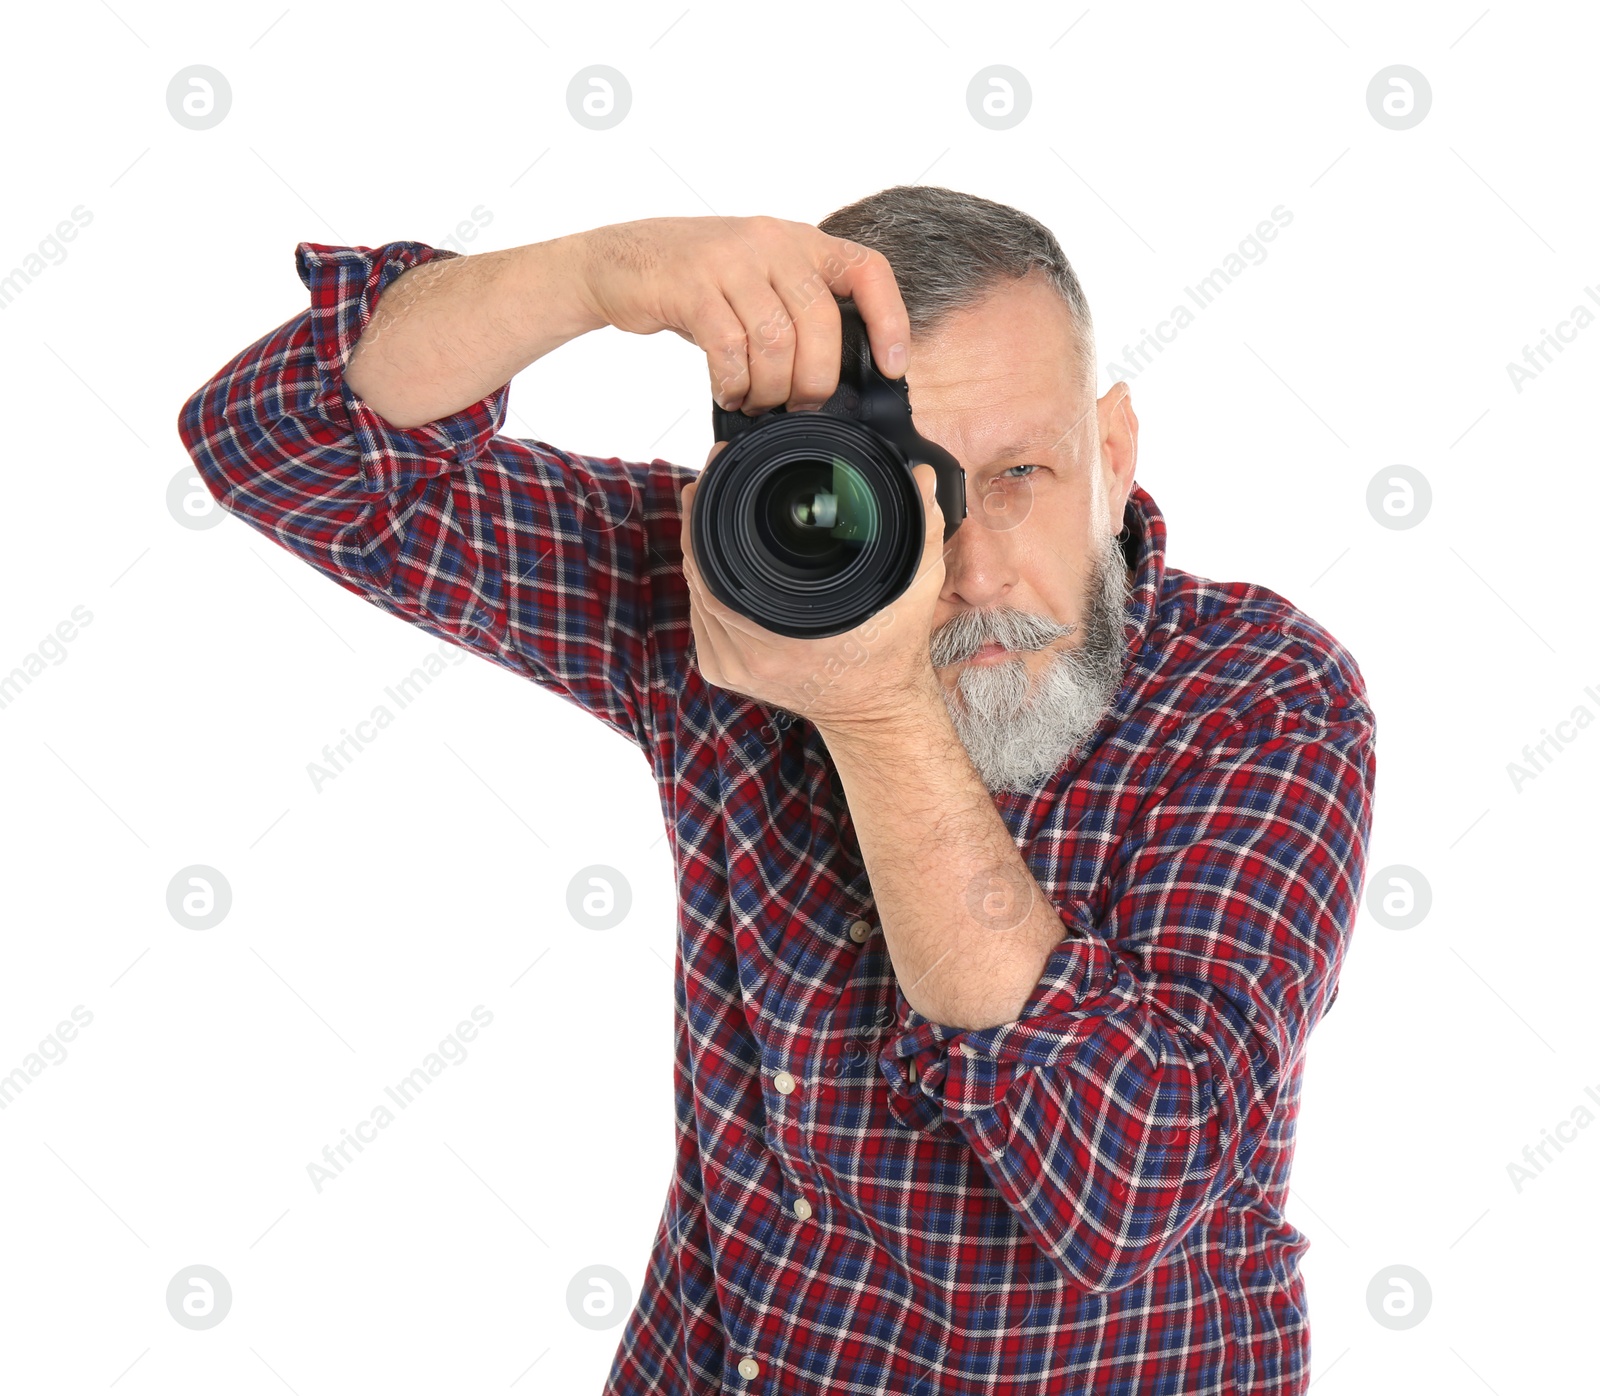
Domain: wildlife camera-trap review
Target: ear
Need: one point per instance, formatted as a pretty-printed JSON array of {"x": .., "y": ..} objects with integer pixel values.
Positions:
[{"x": 1119, "y": 447}]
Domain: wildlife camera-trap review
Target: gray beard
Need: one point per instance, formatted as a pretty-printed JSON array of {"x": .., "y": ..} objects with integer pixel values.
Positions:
[{"x": 1017, "y": 736}]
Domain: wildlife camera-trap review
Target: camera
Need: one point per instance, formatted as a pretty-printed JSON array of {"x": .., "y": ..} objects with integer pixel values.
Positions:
[{"x": 811, "y": 522}]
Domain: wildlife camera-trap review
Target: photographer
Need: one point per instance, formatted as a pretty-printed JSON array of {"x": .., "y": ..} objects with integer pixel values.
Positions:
[{"x": 1005, "y": 916}]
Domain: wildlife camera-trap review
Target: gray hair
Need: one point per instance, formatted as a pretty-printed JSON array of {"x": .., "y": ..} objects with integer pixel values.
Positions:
[{"x": 948, "y": 249}]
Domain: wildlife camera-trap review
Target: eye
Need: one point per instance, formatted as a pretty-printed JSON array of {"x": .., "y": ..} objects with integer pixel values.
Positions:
[{"x": 1006, "y": 474}]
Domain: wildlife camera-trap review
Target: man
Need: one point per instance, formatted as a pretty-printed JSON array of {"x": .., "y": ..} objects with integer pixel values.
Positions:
[{"x": 1004, "y": 921}]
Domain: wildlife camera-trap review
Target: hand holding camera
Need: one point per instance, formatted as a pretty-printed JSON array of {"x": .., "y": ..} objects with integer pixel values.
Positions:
[
  {"x": 809, "y": 522},
  {"x": 756, "y": 294}
]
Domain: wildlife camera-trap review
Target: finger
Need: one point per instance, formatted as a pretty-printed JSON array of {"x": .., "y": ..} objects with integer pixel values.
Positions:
[
  {"x": 770, "y": 335},
  {"x": 730, "y": 621},
  {"x": 818, "y": 342},
  {"x": 707, "y": 653},
  {"x": 705, "y": 647},
  {"x": 712, "y": 642},
  {"x": 933, "y": 545},
  {"x": 720, "y": 332},
  {"x": 928, "y": 482},
  {"x": 865, "y": 275}
]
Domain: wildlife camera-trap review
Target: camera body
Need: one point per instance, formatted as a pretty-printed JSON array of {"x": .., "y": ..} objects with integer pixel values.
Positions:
[{"x": 811, "y": 522}]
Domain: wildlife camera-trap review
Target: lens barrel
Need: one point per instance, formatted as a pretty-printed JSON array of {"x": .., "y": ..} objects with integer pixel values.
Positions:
[
  {"x": 767, "y": 550},
  {"x": 811, "y": 522}
]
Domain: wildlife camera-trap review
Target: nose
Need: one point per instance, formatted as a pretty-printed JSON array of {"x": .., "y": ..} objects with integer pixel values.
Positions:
[{"x": 980, "y": 559}]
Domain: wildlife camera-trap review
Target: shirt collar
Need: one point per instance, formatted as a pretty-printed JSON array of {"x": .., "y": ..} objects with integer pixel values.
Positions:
[{"x": 1146, "y": 551}]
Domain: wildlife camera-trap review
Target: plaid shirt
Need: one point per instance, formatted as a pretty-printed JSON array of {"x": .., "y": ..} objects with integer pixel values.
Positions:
[{"x": 1089, "y": 1198}]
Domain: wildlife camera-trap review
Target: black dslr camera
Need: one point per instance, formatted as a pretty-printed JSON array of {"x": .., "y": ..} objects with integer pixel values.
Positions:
[{"x": 810, "y": 522}]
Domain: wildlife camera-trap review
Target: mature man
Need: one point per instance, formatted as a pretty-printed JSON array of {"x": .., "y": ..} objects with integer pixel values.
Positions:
[{"x": 1004, "y": 922}]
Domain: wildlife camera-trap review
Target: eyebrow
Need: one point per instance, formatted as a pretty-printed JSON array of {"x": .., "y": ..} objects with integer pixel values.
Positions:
[{"x": 1026, "y": 444}]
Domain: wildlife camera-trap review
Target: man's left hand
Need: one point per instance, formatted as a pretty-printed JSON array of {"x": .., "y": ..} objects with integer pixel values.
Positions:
[{"x": 880, "y": 672}]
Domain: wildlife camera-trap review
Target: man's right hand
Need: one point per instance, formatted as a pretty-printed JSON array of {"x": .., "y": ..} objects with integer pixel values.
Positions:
[{"x": 756, "y": 294}]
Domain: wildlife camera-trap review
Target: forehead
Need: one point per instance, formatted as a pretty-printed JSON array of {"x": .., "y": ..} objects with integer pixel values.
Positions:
[{"x": 1000, "y": 377}]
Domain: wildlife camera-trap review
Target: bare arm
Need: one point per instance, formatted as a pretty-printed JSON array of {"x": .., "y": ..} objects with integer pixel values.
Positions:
[
  {"x": 447, "y": 333},
  {"x": 751, "y": 293}
]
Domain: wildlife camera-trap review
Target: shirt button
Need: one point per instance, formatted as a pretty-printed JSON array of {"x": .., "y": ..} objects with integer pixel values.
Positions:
[
  {"x": 749, "y": 1368},
  {"x": 859, "y": 931},
  {"x": 784, "y": 1082},
  {"x": 802, "y": 1209}
]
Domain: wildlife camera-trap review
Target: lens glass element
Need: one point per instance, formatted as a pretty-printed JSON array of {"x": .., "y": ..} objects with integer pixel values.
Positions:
[{"x": 816, "y": 514}]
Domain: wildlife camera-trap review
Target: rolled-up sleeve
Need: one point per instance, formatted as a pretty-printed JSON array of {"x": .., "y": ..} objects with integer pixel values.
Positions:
[
  {"x": 345, "y": 284},
  {"x": 1142, "y": 1072},
  {"x": 565, "y": 568}
]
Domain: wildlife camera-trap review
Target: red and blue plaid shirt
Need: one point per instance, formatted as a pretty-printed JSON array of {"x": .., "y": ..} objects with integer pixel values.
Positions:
[{"x": 1089, "y": 1198}]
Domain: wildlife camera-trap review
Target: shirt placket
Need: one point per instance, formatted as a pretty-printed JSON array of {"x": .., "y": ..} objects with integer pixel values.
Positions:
[{"x": 801, "y": 1229}]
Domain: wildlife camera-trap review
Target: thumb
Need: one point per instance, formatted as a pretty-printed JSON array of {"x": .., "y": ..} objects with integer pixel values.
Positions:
[{"x": 927, "y": 479}]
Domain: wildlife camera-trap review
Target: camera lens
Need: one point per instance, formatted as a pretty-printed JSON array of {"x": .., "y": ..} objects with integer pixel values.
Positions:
[
  {"x": 808, "y": 525},
  {"x": 816, "y": 514}
]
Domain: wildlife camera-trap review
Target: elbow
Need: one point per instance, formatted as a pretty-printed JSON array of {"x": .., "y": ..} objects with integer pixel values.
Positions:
[
  {"x": 189, "y": 416},
  {"x": 198, "y": 429},
  {"x": 1109, "y": 1270}
]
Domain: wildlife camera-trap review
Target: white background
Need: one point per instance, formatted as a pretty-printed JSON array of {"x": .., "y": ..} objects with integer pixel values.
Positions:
[{"x": 370, "y": 918}]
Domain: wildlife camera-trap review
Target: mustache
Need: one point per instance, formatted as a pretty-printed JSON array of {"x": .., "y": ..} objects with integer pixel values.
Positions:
[{"x": 964, "y": 635}]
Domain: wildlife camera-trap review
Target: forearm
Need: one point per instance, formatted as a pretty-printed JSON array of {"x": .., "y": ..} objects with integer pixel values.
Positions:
[
  {"x": 967, "y": 926},
  {"x": 446, "y": 334}
]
